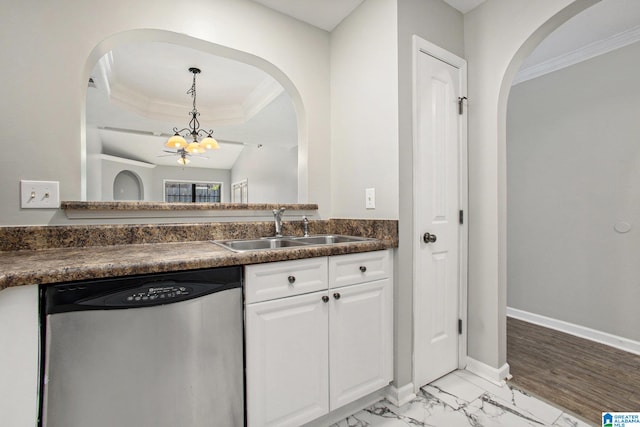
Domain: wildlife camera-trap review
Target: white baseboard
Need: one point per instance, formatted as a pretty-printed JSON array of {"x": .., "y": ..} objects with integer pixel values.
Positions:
[
  {"x": 489, "y": 373},
  {"x": 401, "y": 396},
  {"x": 618, "y": 342},
  {"x": 343, "y": 412}
]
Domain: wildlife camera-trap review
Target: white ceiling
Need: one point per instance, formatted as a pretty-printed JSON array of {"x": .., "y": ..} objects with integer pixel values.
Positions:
[
  {"x": 324, "y": 14},
  {"x": 327, "y": 14},
  {"x": 465, "y": 6}
]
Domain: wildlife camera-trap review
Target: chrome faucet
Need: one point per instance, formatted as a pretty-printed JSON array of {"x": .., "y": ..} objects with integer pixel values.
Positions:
[
  {"x": 305, "y": 224},
  {"x": 277, "y": 216}
]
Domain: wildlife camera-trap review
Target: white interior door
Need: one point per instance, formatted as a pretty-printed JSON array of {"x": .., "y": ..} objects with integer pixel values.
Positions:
[{"x": 438, "y": 188}]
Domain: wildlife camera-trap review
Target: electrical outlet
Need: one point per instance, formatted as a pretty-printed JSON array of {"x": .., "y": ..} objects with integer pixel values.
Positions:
[
  {"x": 39, "y": 194},
  {"x": 370, "y": 198}
]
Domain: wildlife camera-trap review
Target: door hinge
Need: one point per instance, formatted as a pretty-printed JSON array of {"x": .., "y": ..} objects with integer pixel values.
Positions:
[
  {"x": 460, "y": 326},
  {"x": 461, "y": 217},
  {"x": 461, "y": 104}
]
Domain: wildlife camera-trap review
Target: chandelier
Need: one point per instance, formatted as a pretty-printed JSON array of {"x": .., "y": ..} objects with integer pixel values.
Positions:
[{"x": 201, "y": 140}]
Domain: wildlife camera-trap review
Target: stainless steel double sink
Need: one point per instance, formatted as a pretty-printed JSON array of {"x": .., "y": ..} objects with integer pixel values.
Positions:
[{"x": 267, "y": 243}]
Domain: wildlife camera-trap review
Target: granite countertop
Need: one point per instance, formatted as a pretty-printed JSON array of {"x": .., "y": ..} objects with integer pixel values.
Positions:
[
  {"x": 47, "y": 266},
  {"x": 54, "y": 254}
]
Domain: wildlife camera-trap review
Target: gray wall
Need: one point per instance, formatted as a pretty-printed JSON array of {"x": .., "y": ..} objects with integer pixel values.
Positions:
[{"x": 573, "y": 156}]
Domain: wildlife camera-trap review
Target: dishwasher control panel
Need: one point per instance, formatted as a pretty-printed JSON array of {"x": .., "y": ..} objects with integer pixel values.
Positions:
[
  {"x": 138, "y": 291},
  {"x": 159, "y": 293},
  {"x": 154, "y": 293}
]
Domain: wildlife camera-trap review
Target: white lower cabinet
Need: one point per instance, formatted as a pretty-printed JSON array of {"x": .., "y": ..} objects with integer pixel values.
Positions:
[
  {"x": 287, "y": 360},
  {"x": 310, "y": 353},
  {"x": 360, "y": 341}
]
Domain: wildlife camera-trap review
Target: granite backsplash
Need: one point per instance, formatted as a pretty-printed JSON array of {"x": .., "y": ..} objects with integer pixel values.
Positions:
[{"x": 77, "y": 236}]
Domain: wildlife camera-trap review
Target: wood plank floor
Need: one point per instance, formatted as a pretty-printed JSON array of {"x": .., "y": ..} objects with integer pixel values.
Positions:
[{"x": 579, "y": 375}]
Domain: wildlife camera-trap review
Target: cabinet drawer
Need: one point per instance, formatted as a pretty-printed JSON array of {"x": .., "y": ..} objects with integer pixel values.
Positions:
[
  {"x": 282, "y": 279},
  {"x": 358, "y": 268}
]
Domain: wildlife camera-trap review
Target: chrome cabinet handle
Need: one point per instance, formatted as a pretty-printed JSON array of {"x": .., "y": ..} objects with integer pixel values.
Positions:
[
  {"x": 429, "y": 238},
  {"x": 336, "y": 295},
  {"x": 363, "y": 268},
  {"x": 325, "y": 299},
  {"x": 291, "y": 279}
]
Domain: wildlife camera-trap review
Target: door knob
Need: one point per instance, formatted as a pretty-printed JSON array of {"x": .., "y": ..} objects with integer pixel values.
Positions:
[{"x": 429, "y": 238}]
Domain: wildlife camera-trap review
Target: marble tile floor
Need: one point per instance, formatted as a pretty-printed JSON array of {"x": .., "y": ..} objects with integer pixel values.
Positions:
[{"x": 462, "y": 399}]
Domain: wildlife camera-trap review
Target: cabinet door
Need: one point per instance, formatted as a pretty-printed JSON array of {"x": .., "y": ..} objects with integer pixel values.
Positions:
[
  {"x": 361, "y": 340},
  {"x": 287, "y": 360}
]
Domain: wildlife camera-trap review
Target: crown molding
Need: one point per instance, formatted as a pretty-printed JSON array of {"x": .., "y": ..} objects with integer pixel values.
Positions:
[
  {"x": 576, "y": 56},
  {"x": 129, "y": 99}
]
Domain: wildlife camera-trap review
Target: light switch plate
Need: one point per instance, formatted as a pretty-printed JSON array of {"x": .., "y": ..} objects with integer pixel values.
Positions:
[
  {"x": 370, "y": 198},
  {"x": 39, "y": 194}
]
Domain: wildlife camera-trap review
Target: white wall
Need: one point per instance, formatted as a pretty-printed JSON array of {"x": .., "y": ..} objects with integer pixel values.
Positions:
[
  {"x": 499, "y": 34},
  {"x": 268, "y": 184},
  {"x": 45, "y": 89},
  {"x": 364, "y": 111},
  {"x": 108, "y": 171},
  {"x": 94, "y": 164},
  {"x": 573, "y": 168}
]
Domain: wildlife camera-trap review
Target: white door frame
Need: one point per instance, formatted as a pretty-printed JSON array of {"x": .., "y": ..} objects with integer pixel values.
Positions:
[{"x": 421, "y": 46}]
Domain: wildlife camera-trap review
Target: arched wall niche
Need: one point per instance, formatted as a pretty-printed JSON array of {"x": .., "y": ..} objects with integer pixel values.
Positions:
[
  {"x": 127, "y": 185},
  {"x": 156, "y": 35}
]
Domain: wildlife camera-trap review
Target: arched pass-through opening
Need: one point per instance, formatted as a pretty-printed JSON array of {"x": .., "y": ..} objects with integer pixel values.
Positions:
[
  {"x": 153, "y": 35},
  {"x": 526, "y": 48}
]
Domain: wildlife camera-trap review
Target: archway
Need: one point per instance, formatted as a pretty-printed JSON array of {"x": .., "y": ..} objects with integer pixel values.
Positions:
[
  {"x": 498, "y": 37},
  {"x": 526, "y": 48},
  {"x": 168, "y": 37}
]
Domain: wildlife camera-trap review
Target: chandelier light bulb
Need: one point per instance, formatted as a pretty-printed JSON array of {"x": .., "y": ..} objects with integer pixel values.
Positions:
[
  {"x": 209, "y": 143},
  {"x": 194, "y": 148},
  {"x": 176, "y": 141}
]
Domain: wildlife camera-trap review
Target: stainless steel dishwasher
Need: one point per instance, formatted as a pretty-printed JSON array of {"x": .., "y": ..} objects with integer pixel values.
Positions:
[{"x": 161, "y": 350}]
